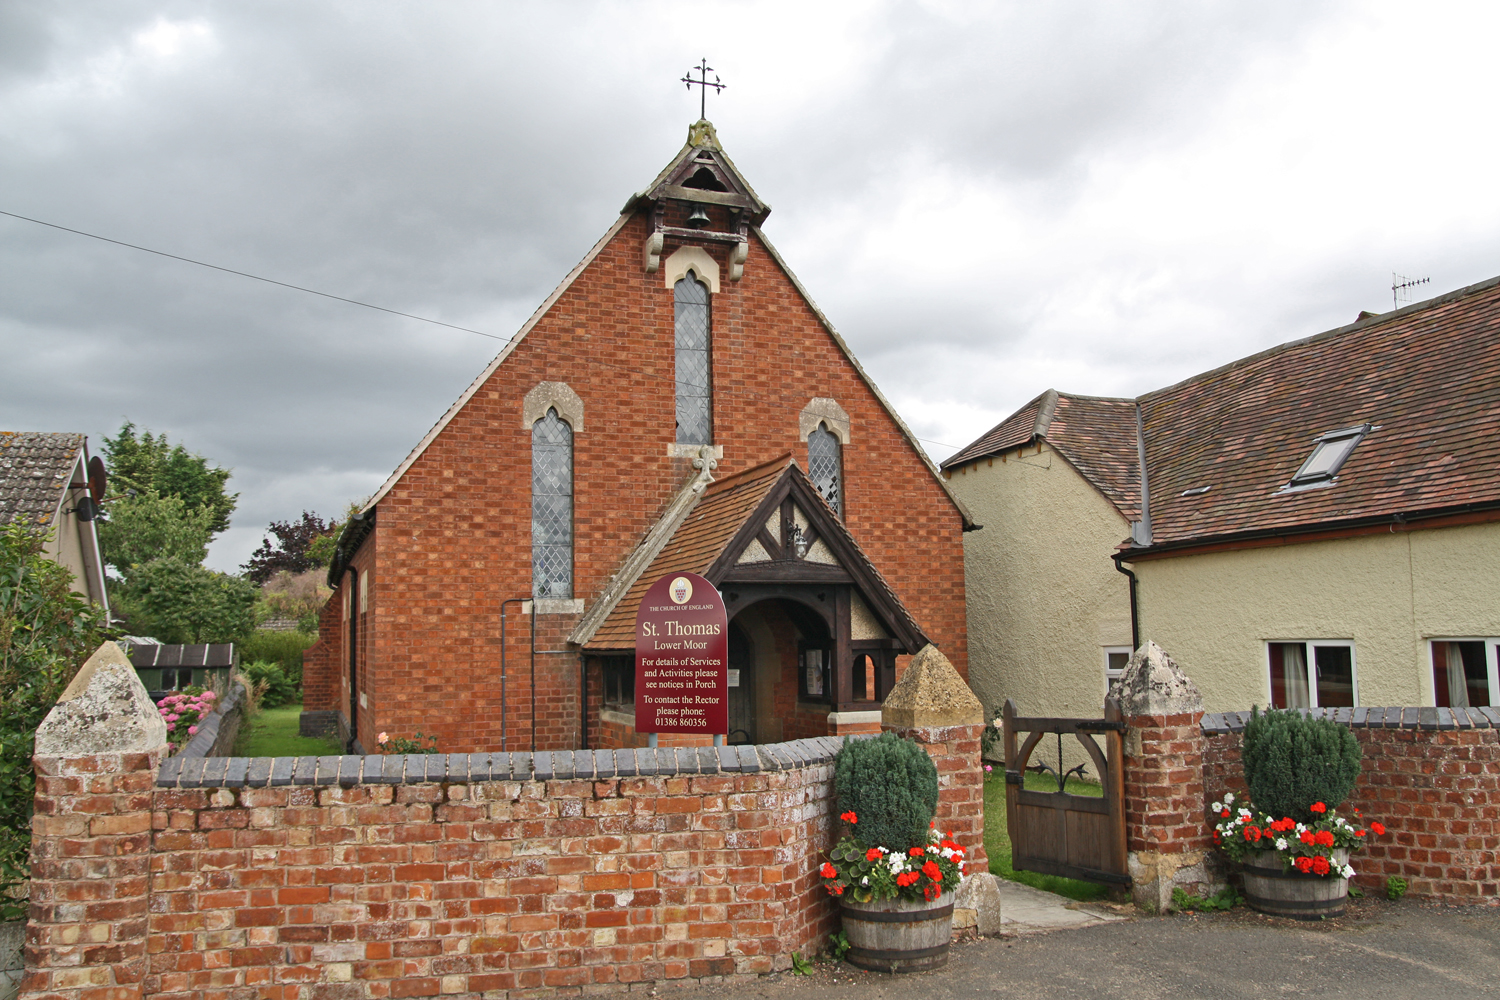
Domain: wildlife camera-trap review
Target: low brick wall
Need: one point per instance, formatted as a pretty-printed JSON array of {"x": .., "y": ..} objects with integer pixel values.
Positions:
[
  {"x": 1431, "y": 775},
  {"x": 344, "y": 878}
]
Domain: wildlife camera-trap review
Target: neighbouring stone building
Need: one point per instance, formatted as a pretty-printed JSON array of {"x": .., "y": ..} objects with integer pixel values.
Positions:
[{"x": 677, "y": 403}]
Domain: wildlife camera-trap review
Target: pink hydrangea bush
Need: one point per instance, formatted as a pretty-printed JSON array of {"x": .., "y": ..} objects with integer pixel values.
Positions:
[{"x": 183, "y": 711}]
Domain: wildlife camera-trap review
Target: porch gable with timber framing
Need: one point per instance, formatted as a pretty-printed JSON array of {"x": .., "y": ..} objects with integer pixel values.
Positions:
[{"x": 766, "y": 533}]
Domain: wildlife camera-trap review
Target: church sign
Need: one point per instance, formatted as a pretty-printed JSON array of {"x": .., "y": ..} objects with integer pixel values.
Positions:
[{"x": 681, "y": 658}]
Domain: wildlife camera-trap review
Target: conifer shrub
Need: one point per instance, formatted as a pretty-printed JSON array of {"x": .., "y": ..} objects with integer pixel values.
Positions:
[
  {"x": 1292, "y": 761},
  {"x": 892, "y": 785}
]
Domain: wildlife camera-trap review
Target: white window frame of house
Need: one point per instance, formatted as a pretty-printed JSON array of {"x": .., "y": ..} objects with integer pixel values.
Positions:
[
  {"x": 1310, "y": 662},
  {"x": 1111, "y": 675},
  {"x": 1491, "y": 660}
]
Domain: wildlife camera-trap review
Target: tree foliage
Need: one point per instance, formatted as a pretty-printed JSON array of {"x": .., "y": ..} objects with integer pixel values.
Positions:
[
  {"x": 150, "y": 462},
  {"x": 297, "y": 548},
  {"x": 46, "y": 632},
  {"x": 1292, "y": 761},
  {"x": 176, "y": 601},
  {"x": 892, "y": 785},
  {"x": 151, "y": 526}
]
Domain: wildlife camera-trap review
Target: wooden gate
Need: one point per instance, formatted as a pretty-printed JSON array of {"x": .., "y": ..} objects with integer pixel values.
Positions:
[{"x": 1057, "y": 832}]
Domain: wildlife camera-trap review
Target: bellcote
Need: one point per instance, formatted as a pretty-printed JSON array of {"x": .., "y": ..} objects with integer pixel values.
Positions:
[{"x": 699, "y": 198}]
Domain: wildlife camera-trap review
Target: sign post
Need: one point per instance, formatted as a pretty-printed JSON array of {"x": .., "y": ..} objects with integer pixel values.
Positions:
[{"x": 682, "y": 658}]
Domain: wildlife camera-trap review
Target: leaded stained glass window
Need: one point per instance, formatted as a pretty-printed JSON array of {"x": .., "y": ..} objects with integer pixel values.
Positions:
[
  {"x": 694, "y": 402},
  {"x": 824, "y": 466},
  {"x": 551, "y": 507}
]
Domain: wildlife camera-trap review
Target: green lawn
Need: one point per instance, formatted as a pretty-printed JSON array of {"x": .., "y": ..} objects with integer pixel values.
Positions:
[
  {"x": 272, "y": 732},
  {"x": 997, "y": 839}
]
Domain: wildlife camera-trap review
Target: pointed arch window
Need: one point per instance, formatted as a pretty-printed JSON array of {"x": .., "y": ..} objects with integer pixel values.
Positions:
[
  {"x": 692, "y": 336},
  {"x": 825, "y": 466},
  {"x": 551, "y": 507}
]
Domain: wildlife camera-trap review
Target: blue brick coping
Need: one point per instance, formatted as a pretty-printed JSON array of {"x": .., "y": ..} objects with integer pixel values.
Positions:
[
  {"x": 188, "y": 771},
  {"x": 1428, "y": 719}
]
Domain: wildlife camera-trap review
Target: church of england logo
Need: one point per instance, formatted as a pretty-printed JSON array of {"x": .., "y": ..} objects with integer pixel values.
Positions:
[{"x": 681, "y": 590}]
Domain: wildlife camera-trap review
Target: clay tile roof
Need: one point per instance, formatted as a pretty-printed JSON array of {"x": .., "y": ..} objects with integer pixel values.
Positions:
[
  {"x": 1428, "y": 377},
  {"x": 1015, "y": 430},
  {"x": 1095, "y": 434},
  {"x": 35, "y": 468},
  {"x": 695, "y": 545}
]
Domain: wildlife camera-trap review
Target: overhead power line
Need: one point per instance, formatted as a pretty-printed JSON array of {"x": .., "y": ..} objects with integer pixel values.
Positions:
[
  {"x": 257, "y": 277},
  {"x": 356, "y": 302}
]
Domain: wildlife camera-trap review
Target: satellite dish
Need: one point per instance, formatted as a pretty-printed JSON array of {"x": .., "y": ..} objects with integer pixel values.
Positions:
[
  {"x": 86, "y": 509},
  {"x": 98, "y": 479}
]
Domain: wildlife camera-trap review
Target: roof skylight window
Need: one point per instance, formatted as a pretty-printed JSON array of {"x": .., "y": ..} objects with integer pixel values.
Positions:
[{"x": 1330, "y": 451}]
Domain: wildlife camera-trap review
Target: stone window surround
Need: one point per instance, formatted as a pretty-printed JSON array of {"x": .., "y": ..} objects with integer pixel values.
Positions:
[
  {"x": 557, "y": 396},
  {"x": 827, "y": 411},
  {"x": 695, "y": 259}
]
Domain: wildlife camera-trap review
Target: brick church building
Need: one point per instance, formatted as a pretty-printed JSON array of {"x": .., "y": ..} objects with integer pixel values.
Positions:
[{"x": 678, "y": 403}]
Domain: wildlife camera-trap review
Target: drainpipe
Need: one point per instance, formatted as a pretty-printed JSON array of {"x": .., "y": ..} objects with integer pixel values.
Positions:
[{"x": 1135, "y": 626}]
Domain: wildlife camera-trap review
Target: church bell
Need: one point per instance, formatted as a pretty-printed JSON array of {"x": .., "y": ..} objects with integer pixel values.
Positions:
[{"x": 699, "y": 218}]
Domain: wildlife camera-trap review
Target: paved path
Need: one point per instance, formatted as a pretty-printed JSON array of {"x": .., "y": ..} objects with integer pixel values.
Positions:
[
  {"x": 1380, "y": 951},
  {"x": 1024, "y": 910}
]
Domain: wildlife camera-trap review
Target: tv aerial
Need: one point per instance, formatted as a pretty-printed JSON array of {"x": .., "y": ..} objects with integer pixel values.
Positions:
[{"x": 1401, "y": 287}]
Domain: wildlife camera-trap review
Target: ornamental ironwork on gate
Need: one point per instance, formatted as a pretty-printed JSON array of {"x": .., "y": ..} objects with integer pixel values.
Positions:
[{"x": 1057, "y": 832}]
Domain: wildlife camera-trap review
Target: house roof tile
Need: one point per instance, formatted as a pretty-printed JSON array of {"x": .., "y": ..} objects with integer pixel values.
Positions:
[
  {"x": 1427, "y": 377},
  {"x": 35, "y": 469}
]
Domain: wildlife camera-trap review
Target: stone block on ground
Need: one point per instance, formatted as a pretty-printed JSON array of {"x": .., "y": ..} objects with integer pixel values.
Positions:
[{"x": 977, "y": 904}]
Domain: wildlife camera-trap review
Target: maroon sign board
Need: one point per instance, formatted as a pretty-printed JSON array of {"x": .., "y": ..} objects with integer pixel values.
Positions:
[{"x": 682, "y": 658}]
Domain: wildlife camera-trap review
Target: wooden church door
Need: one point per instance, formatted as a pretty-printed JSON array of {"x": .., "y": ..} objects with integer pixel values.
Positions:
[{"x": 741, "y": 687}]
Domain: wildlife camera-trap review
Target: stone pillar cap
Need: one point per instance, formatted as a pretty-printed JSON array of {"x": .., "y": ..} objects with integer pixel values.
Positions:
[
  {"x": 105, "y": 710},
  {"x": 1153, "y": 684},
  {"x": 930, "y": 695}
]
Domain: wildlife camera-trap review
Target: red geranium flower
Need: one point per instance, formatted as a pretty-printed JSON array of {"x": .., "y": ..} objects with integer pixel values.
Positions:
[
  {"x": 849, "y": 817},
  {"x": 1318, "y": 807},
  {"x": 1379, "y": 829},
  {"x": 1320, "y": 865},
  {"x": 836, "y": 889},
  {"x": 1323, "y": 838},
  {"x": 932, "y": 891},
  {"x": 1252, "y": 833},
  {"x": 1306, "y": 836},
  {"x": 932, "y": 871},
  {"x": 1359, "y": 833},
  {"x": 1303, "y": 864},
  {"x": 1224, "y": 814},
  {"x": 873, "y": 854},
  {"x": 828, "y": 871},
  {"x": 916, "y": 852},
  {"x": 907, "y": 878}
]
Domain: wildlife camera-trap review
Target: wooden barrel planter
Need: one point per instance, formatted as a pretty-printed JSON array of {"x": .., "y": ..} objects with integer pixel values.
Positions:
[
  {"x": 898, "y": 935},
  {"x": 1291, "y": 893}
]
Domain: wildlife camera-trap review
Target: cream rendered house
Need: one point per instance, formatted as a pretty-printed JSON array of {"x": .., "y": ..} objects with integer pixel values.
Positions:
[
  {"x": 43, "y": 476},
  {"x": 1321, "y": 525},
  {"x": 1056, "y": 488}
]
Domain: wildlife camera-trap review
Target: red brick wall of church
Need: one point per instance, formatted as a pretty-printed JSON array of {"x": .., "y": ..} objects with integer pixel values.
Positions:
[{"x": 455, "y": 532}]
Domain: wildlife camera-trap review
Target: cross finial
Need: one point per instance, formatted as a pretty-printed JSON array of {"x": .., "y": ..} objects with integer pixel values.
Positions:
[{"x": 703, "y": 69}]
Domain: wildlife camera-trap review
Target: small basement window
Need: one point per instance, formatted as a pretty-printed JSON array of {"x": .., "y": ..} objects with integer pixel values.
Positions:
[{"x": 1330, "y": 451}]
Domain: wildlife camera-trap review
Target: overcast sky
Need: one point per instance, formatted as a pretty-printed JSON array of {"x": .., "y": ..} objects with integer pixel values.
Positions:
[{"x": 987, "y": 200}]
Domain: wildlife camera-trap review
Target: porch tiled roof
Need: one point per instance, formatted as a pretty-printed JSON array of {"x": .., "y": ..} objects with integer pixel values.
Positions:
[
  {"x": 35, "y": 467},
  {"x": 695, "y": 545}
]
